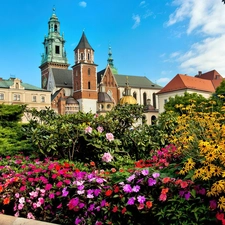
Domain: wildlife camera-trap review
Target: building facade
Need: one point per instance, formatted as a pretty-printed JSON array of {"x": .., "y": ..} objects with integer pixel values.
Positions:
[{"x": 14, "y": 91}]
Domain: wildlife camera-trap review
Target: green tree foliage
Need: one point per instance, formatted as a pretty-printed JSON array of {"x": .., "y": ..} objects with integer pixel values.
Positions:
[
  {"x": 64, "y": 136},
  {"x": 179, "y": 103},
  {"x": 12, "y": 137}
]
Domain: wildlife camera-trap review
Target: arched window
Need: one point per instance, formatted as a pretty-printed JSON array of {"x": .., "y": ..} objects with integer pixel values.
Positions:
[
  {"x": 154, "y": 100},
  {"x": 144, "y": 98},
  {"x": 89, "y": 85},
  {"x": 135, "y": 95},
  {"x": 76, "y": 88},
  {"x": 153, "y": 120},
  {"x": 89, "y": 71},
  {"x": 82, "y": 56},
  {"x": 55, "y": 28},
  {"x": 88, "y": 56}
]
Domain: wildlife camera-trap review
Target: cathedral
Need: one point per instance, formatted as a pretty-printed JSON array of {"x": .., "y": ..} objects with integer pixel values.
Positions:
[{"x": 82, "y": 87}]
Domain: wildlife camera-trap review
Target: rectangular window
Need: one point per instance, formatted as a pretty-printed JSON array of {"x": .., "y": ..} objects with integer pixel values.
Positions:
[
  {"x": 165, "y": 101},
  {"x": 1, "y": 96},
  {"x": 34, "y": 98},
  {"x": 42, "y": 99},
  {"x": 16, "y": 97},
  {"x": 57, "y": 49}
]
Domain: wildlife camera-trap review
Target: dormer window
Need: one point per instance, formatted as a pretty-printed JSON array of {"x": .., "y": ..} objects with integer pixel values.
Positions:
[{"x": 17, "y": 86}]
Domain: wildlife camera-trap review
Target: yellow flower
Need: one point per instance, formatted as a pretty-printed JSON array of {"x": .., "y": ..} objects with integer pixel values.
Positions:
[{"x": 221, "y": 203}]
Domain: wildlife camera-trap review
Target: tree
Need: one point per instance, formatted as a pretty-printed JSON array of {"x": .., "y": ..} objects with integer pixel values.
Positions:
[
  {"x": 12, "y": 137},
  {"x": 179, "y": 103}
]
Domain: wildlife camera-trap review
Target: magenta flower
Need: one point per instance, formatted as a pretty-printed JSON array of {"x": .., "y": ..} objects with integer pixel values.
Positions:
[
  {"x": 51, "y": 195},
  {"x": 213, "y": 204},
  {"x": 73, "y": 203},
  {"x": 127, "y": 188},
  {"x": 141, "y": 199},
  {"x": 107, "y": 157},
  {"x": 109, "y": 136},
  {"x": 131, "y": 201},
  {"x": 144, "y": 172},
  {"x": 187, "y": 195},
  {"x": 151, "y": 182},
  {"x": 48, "y": 187}
]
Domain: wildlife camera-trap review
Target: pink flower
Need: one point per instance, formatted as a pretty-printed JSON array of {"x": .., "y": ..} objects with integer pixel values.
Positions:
[
  {"x": 30, "y": 216},
  {"x": 141, "y": 199},
  {"x": 107, "y": 157},
  {"x": 162, "y": 197},
  {"x": 48, "y": 187},
  {"x": 51, "y": 195},
  {"x": 100, "y": 129},
  {"x": 21, "y": 200},
  {"x": 109, "y": 136},
  {"x": 17, "y": 214},
  {"x": 88, "y": 130},
  {"x": 20, "y": 206},
  {"x": 59, "y": 206},
  {"x": 59, "y": 184},
  {"x": 33, "y": 194},
  {"x": 155, "y": 175},
  {"x": 17, "y": 195},
  {"x": 41, "y": 200}
]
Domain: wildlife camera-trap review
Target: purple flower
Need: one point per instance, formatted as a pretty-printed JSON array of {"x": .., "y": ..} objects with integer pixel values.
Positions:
[
  {"x": 131, "y": 201},
  {"x": 97, "y": 192},
  {"x": 77, "y": 221},
  {"x": 136, "y": 188},
  {"x": 213, "y": 204},
  {"x": 64, "y": 192},
  {"x": 91, "y": 207},
  {"x": 144, "y": 172},
  {"x": 187, "y": 195},
  {"x": 202, "y": 191},
  {"x": 130, "y": 178},
  {"x": 181, "y": 193},
  {"x": 99, "y": 180},
  {"x": 141, "y": 199},
  {"x": 155, "y": 175},
  {"x": 127, "y": 188},
  {"x": 151, "y": 182},
  {"x": 103, "y": 203}
]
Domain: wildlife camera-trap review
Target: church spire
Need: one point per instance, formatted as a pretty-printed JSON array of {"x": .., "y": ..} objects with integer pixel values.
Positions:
[
  {"x": 110, "y": 61},
  {"x": 54, "y": 43}
]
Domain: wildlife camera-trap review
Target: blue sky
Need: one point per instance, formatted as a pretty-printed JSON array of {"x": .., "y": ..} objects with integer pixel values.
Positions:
[{"x": 153, "y": 38}]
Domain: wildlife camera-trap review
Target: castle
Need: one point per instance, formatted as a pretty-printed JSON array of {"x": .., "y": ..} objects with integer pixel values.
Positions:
[{"x": 83, "y": 88}]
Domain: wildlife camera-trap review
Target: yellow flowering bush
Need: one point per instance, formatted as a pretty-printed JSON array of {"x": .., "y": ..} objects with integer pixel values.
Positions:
[{"x": 200, "y": 138}]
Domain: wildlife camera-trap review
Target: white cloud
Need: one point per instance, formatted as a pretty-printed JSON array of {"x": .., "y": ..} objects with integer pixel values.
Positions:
[
  {"x": 142, "y": 3},
  {"x": 174, "y": 54},
  {"x": 163, "y": 80},
  {"x": 205, "y": 56},
  {"x": 83, "y": 4},
  {"x": 137, "y": 21},
  {"x": 205, "y": 21}
]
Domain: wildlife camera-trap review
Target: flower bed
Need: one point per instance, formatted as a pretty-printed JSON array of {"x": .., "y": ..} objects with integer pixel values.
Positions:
[{"x": 60, "y": 192}]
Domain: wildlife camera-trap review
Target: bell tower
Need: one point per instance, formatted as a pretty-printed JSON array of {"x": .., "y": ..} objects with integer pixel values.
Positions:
[
  {"x": 85, "y": 76},
  {"x": 54, "y": 55}
]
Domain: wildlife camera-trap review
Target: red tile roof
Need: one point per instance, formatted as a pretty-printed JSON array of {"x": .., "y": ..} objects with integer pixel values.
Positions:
[{"x": 183, "y": 82}]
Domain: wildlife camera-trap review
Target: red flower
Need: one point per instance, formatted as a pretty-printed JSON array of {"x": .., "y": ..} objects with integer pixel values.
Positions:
[
  {"x": 6, "y": 201},
  {"x": 166, "y": 180},
  {"x": 220, "y": 216},
  {"x": 116, "y": 189},
  {"x": 92, "y": 163},
  {"x": 115, "y": 208},
  {"x": 108, "y": 192},
  {"x": 183, "y": 184},
  {"x": 164, "y": 190},
  {"x": 66, "y": 164},
  {"x": 149, "y": 204},
  {"x": 123, "y": 210}
]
